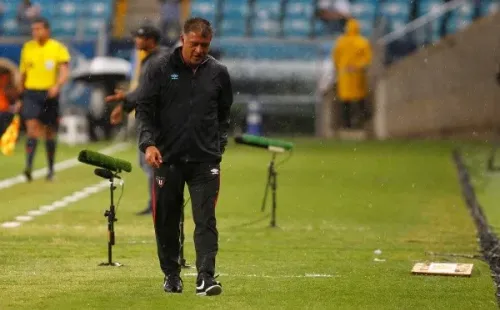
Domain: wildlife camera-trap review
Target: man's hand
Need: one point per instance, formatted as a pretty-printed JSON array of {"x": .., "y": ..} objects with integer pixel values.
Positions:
[
  {"x": 153, "y": 157},
  {"x": 118, "y": 96},
  {"x": 53, "y": 91},
  {"x": 116, "y": 116}
]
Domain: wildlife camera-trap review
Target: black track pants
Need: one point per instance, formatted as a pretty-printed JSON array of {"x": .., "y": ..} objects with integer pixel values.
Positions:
[{"x": 203, "y": 180}]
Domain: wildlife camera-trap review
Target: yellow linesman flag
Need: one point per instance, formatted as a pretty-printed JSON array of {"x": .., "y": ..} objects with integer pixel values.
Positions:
[{"x": 9, "y": 137}]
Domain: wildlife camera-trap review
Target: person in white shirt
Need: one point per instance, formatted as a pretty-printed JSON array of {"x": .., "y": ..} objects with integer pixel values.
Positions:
[{"x": 334, "y": 14}]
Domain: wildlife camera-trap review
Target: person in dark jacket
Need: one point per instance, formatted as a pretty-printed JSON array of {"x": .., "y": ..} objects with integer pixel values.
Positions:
[
  {"x": 146, "y": 41},
  {"x": 183, "y": 112}
]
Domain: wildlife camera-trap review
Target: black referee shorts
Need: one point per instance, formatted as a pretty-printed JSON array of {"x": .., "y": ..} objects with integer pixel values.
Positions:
[{"x": 37, "y": 105}]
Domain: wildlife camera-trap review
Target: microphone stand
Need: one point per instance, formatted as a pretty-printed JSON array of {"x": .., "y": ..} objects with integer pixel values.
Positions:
[
  {"x": 272, "y": 183},
  {"x": 183, "y": 262},
  {"x": 110, "y": 214}
]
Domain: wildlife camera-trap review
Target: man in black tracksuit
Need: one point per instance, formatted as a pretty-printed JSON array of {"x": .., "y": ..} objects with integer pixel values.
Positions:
[{"x": 183, "y": 113}]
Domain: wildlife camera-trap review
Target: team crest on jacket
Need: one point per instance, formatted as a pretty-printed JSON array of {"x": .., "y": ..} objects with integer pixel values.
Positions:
[{"x": 160, "y": 181}]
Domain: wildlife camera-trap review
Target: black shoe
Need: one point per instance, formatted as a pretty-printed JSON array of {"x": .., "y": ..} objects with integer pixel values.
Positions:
[
  {"x": 207, "y": 286},
  {"x": 145, "y": 212},
  {"x": 172, "y": 284},
  {"x": 27, "y": 174}
]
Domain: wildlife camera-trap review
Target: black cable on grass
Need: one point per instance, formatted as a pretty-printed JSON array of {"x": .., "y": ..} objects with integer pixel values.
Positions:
[{"x": 490, "y": 245}]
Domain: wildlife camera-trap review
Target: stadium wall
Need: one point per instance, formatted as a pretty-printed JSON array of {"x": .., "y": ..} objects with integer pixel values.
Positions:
[{"x": 443, "y": 90}]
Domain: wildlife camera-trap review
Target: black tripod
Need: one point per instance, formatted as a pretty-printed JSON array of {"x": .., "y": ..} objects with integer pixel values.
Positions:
[
  {"x": 110, "y": 214},
  {"x": 182, "y": 260},
  {"x": 273, "y": 184}
]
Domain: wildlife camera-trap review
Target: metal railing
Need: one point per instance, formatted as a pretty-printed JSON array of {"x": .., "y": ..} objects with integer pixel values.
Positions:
[{"x": 423, "y": 22}]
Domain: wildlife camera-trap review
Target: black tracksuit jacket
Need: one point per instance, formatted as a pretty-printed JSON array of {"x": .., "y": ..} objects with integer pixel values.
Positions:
[{"x": 185, "y": 112}]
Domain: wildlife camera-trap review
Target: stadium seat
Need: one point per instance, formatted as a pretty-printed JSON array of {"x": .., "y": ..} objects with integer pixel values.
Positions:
[
  {"x": 320, "y": 29},
  {"x": 266, "y": 18},
  {"x": 365, "y": 11},
  {"x": 461, "y": 17},
  {"x": 431, "y": 6},
  {"x": 234, "y": 17},
  {"x": 297, "y": 27},
  {"x": 397, "y": 13},
  {"x": 205, "y": 8},
  {"x": 298, "y": 17},
  {"x": 9, "y": 27},
  {"x": 66, "y": 9},
  {"x": 64, "y": 27},
  {"x": 93, "y": 26},
  {"x": 100, "y": 9},
  {"x": 64, "y": 15},
  {"x": 489, "y": 6},
  {"x": 299, "y": 9}
]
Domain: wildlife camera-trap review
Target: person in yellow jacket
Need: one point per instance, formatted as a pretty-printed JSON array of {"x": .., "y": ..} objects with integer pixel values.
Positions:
[{"x": 351, "y": 56}]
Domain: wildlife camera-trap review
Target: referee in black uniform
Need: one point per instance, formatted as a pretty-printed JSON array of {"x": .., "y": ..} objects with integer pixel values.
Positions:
[{"x": 183, "y": 112}]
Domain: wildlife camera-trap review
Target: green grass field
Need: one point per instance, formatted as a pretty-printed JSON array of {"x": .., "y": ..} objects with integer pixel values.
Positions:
[{"x": 337, "y": 203}]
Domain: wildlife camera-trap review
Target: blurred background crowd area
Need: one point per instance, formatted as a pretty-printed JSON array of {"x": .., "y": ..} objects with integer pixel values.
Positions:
[
  {"x": 271, "y": 19},
  {"x": 279, "y": 55}
]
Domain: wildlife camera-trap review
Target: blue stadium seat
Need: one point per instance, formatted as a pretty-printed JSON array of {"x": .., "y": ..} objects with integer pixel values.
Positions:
[
  {"x": 204, "y": 8},
  {"x": 266, "y": 18},
  {"x": 432, "y": 6},
  {"x": 100, "y": 9},
  {"x": 489, "y": 6},
  {"x": 235, "y": 7},
  {"x": 365, "y": 11},
  {"x": 428, "y": 6},
  {"x": 397, "y": 9},
  {"x": 9, "y": 27},
  {"x": 297, "y": 27},
  {"x": 234, "y": 17},
  {"x": 397, "y": 12},
  {"x": 93, "y": 26},
  {"x": 64, "y": 15},
  {"x": 64, "y": 27},
  {"x": 10, "y": 7},
  {"x": 298, "y": 17},
  {"x": 461, "y": 17},
  {"x": 233, "y": 27},
  {"x": 299, "y": 9},
  {"x": 66, "y": 9},
  {"x": 320, "y": 29}
]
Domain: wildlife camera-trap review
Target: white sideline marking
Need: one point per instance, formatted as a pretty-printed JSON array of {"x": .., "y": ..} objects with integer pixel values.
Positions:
[
  {"x": 36, "y": 212},
  {"x": 307, "y": 275},
  {"x": 24, "y": 218},
  {"x": 61, "y": 203},
  {"x": 63, "y": 165},
  {"x": 11, "y": 224}
]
